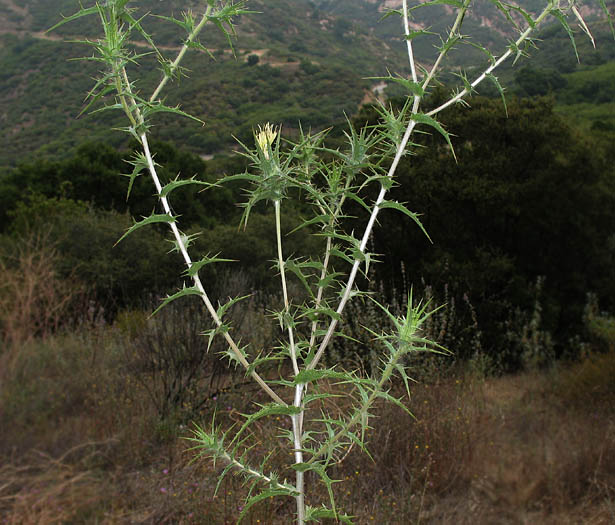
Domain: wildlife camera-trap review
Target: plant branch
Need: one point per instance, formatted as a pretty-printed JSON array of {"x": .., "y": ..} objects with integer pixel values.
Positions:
[
  {"x": 399, "y": 153},
  {"x": 524, "y": 36},
  {"x": 368, "y": 230},
  {"x": 186, "y": 256},
  {"x": 291, "y": 337},
  {"x": 191, "y": 37},
  {"x": 456, "y": 25}
]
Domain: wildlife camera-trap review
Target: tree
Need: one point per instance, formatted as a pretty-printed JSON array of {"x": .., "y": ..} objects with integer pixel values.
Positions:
[{"x": 528, "y": 196}]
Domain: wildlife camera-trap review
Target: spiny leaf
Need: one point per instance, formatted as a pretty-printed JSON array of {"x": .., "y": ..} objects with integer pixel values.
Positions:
[
  {"x": 528, "y": 17},
  {"x": 421, "y": 32},
  {"x": 184, "y": 243},
  {"x": 223, "y": 308},
  {"x": 322, "y": 473},
  {"x": 425, "y": 119},
  {"x": 504, "y": 8},
  {"x": 413, "y": 87},
  {"x": 265, "y": 494},
  {"x": 449, "y": 44},
  {"x": 484, "y": 50},
  {"x": 152, "y": 219},
  {"x": 270, "y": 409},
  {"x": 400, "y": 207},
  {"x": 139, "y": 162},
  {"x": 178, "y": 183},
  {"x": 309, "y": 376},
  {"x": 192, "y": 290},
  {"x": 196, "y": 266},
  {"x": 262, "y": 359},
  {"x": 500, "y": 89},
  {"x": 81, "y": 13},
  {"x": 452, "y": 3},
  {"x": 391, "y": 399},
  {"x": 316, "y": 514},
  {"x": 151, "y": 108},
  {"x": 557, "y": 13}
]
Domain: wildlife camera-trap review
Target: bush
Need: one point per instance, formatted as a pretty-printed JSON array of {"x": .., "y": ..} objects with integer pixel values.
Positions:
[{"x": 35, "y": 299}]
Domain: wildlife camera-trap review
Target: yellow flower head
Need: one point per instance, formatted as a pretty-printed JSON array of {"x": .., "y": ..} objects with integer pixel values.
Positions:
[{"x": 265, "y": 138}]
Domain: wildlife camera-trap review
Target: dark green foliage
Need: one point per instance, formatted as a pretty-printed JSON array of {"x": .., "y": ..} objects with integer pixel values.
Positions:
[
  {"x": 93, "y": 175},
  {"x": 532, "y": 82},
  {"x": 41, "y": 92},
  {"x": 115, "y": 276},
  {"x": 528, "y": 197}
]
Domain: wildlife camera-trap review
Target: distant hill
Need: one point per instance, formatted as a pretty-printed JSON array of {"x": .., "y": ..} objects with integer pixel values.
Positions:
[
  {"x": 307, "y": 69},
  {"x": 309, "y": 62}
]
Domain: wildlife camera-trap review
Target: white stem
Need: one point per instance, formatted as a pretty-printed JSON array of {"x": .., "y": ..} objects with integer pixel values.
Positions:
[
  {"x": 364, "y": 240},
  {"x": 297, "y": 421},
  {"x": 196, "y": 279},
  {"x": 180, "y": 55},
  {"x": 408, "y": 41},
  {"x": 291, "y": 337},
  {"x": 399, "y": 154},
  {"x": 497, "y": 63}
]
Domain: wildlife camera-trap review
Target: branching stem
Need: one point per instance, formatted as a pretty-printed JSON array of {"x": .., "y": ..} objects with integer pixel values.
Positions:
[
  {"x": 399, "y": 153},
  {"x": 524, "y": 36},
  {"x": 167, "y": 76},
  {"x": 134, "y": 115}
]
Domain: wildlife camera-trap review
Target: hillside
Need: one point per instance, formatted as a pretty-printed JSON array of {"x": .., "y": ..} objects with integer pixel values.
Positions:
[
  {"x": 308, "y": 69},
  {"x": 309, "y": 62}
]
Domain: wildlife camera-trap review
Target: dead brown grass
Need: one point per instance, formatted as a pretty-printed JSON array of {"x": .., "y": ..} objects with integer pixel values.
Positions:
[
  {"x": 34, "y": 300},
  {"x": 81, "y": 443}
]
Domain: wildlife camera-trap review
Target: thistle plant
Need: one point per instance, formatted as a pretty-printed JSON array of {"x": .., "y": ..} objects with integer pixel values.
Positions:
[{"x": 327, "y": 181}]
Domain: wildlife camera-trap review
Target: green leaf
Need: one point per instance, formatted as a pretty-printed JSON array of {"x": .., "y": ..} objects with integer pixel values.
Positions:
[
  {"x": 608, "y": 15},
  {"x": 322, "y": 473},
  {"x": 139, "y": 162},
  {"x": 261, "y": 496},
  {"x": 270, "y": 409},
  {"x": 500, "y": 89},
  {"x": 453, "y": 3},
  {"x": 421, "y": 32},
  {"x": 557, "y": 13},
  {"x": 192, "y": 290},
  {"x": 196, "y": 266},
  {"x": 400, "y": 207},
  {"x": 413, "y": 87},
  {"x": 309, "y": 376},
  {"x": 528, "y": 17},
  {"x": 317, "y": 514},
  {"x": 178, "y": 183},
  {"x": 483, "y": 49},
  {"x": 421, "y": 118},
  {"x": 388, "y": 397},
  {"x": 150, "y": 108},
  {"x": 449, "y": 44},
  {"x": 79, "y": 14},
  {"x": 297, "y": 267},
  {"x": 223, "y": 308},
  {"x": 152, "y": 219}
]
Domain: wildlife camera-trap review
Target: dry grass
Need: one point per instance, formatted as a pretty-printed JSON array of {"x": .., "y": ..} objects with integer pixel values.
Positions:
[
  {"x": 81, "y": 443},
  {"x": 34, "y": 300}
]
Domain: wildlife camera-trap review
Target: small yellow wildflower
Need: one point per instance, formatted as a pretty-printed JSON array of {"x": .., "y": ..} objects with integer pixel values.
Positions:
[{"x": 265, "y": 138}]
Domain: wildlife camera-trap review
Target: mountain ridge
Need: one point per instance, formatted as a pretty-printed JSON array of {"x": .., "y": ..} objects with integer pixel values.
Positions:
[{"x": 310, "y": 62}]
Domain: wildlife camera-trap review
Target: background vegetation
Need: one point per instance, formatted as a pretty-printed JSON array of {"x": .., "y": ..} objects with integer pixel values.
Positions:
[{"x": 523, "y": 260}]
